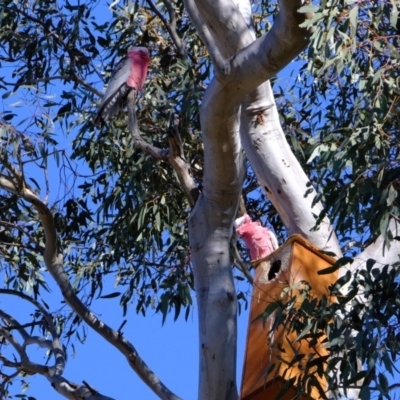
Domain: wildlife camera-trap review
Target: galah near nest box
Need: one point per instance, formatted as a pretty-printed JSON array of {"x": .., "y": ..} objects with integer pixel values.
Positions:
[{"x": 259, "y": 240}]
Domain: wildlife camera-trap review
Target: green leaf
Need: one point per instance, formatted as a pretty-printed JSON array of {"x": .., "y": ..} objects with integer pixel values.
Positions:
[
  {"x": 359, "y": 376},
  {"x": 394, "y": 14},
  {"x": 339, "y": 263},
  {"x": 8, "y": 117},
  {"x": 365, "y": 393},
  {"x": 384, "y": 223},
  {"x": 111, "y": 295},
  {"x": 6, "y": 95},
  {"x": 392, "y": 196},
  {"x": 306, "y": 329},
  {"x": 353, "y": 15},
  {"x": 65, "y": 109},
  {"x": 383, "y": 383},
  {"x": 308, "y": 9},
  {"x": 270, "y": 309}
]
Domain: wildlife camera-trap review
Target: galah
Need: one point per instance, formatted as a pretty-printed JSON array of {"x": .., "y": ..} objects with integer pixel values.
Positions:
[
  {"x": 129, "y": 74},
  {"x": 259, "y": 240}
]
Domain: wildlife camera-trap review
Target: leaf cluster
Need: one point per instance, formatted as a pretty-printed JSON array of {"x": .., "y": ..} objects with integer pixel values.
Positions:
[
  {"x": 343, "y": 124},
  {"x": 361, "y": 331}
]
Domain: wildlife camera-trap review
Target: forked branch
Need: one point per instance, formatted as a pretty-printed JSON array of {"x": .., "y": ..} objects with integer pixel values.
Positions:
[
  {"x": 170, "y": 25},
  {"x": 22, "y": 363},
  {"x": 174, "y": 155}
]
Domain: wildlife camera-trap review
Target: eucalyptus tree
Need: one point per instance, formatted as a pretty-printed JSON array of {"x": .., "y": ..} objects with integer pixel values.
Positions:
[{"x": 150, "y": 199}]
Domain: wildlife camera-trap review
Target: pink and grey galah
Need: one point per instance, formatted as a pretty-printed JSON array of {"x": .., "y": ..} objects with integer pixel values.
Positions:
[
  {"x": 259, "y": 240},
  {"x": 129, "y": 74}
]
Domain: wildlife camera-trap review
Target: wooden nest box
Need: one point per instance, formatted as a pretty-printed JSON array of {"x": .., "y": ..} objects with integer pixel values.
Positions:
[{"x": 296, "y": 260}]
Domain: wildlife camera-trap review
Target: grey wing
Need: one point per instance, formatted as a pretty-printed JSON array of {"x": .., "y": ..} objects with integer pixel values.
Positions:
[{"x": 116, "y": 92}]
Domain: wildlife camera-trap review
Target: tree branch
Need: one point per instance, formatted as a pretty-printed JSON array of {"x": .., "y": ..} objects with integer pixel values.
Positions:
[
  {"x": 56, "y": 345},
  {"x": 170, "y": 26},
  {"x": 157, "y": 153},
  {"x": 11, "y": 338},
  {"x": 54, "y": 261},
  {"x": 66, "y": 388},
  {"x": 377, "y": 251},
  {"x": 285, "y": 183},
  {"x": 217, "y": 59},
  {"x": 25, "y": 365},
  {"x": 210, "y": 225},
  {"x": 12, "y": 324},
  {"x": 174, "y": 155},
  {"x": 210, "y": 232},
  {"x": 258, "y": 60},
  {"x": 176, "y": 158},
  {"x": 279, "y": 172},
  {"x": 226, "y": 24},
  {"x": 75, "y": 76}
]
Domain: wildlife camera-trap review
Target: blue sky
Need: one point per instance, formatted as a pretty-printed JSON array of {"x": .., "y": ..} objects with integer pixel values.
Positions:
[{"x": 170, "y": 350}]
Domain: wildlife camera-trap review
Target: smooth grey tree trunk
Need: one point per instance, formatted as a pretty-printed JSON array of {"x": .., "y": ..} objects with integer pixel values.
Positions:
[{"x": 239, "y": 101}]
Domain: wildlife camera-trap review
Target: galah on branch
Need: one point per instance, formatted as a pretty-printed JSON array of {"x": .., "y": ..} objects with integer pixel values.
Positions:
[
  {"x": 129, "y": 74},
  {"x": 259, "y": 240}
]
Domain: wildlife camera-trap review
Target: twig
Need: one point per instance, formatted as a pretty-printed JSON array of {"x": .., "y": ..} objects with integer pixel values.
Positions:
[
  {"x": 27, "y": 325},
  {"x": 6, "y": 379},
  {"x": 75, "y": 76},
  {"x": 174, "y": 155},
  {"x": 121, "y": 326},
  {"x": 159, "y": 154},
  {"x": 63, "y": 386},
  {"x": 36, "y": 246},
  {"x": 170, "y": 26},
  {"x": 238, "y": 261},
  {"x": 61, "y": 77},
  {"x": 176, "y": 158},
  {"x": 394, "y": 386},
  {"x": 56, "y": 346}
]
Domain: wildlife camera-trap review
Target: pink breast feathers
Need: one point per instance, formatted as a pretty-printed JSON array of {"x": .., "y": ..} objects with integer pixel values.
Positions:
[
  {"x": 259, "y": 240},
  {"x": 140, "y": 60}
]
